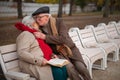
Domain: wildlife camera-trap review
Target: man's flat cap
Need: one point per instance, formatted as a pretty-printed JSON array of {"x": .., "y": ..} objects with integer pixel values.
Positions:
[{"x": 41, "y": 10}]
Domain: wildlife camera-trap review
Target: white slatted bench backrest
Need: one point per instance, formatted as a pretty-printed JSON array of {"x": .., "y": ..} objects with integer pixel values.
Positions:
[
  {"x": 100, "y": 33},
  {"x": 75, "y": 38},
  {"x": 118, "y": 27},
  {"x": 111, "y": 31},
  {"x": 87, "y": 37},
  {"x": 9, "y": 58}
]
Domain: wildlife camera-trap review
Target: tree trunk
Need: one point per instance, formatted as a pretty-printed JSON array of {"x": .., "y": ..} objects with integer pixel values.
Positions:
[
  {"x": 106, "y": 10},
  {"x": 19, "y": 8},
  {"x": 71, "y": 5},
  {"x": 60, "y": 8},
  {"x": 112, "y": 6}
]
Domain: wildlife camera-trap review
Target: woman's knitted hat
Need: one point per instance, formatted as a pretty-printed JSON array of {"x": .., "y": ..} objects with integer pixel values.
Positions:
[{"x": 28, "y": 20}]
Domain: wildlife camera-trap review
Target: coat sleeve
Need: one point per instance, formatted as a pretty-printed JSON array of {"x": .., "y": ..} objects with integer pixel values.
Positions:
[
  {"x": 63, "y": 37},
  {"x": 26, "y": 51}
]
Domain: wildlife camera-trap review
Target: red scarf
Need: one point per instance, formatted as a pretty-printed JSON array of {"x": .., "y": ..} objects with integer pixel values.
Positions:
[{"x": 47, "y": 51}]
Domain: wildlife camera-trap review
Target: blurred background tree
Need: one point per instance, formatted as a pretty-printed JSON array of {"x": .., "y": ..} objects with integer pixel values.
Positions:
[
  {"x": 80, "y": 3},
  {"x": 106, "y": 7},
  {"x": 60, "y": 8},
  {"x": 19, "y": 8}
]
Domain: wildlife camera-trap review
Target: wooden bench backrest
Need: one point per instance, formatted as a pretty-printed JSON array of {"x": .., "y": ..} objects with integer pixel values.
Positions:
[{"x": 9, "y": 58}]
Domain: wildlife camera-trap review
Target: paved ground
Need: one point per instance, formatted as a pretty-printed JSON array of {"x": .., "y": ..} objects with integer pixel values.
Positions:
[
  {"x": 111, "y": 73},
  {"x": 8, "y": 34}
]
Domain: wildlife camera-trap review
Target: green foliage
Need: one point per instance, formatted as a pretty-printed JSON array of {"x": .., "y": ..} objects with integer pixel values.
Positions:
[
  {"x": 81, "y": 3},
  {"x": 47, "y": 1}
]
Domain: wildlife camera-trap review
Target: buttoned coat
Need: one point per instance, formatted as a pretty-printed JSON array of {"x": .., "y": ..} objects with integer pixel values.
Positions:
[{"x": 31, "y": 57}]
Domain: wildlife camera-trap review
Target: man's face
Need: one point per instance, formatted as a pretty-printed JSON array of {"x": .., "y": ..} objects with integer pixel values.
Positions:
[{"x": 42, "y": 19}]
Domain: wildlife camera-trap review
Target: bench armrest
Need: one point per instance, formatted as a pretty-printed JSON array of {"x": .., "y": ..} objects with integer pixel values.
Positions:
[{"x": 18, "y": 75}]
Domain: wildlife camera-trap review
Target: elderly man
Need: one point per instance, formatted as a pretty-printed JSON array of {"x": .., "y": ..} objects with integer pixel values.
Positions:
[{"x": 77, "y": 66}]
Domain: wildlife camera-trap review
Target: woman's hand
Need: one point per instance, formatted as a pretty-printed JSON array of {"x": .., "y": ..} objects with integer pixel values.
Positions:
[
  {"x": 44, "y": 62},
  {"x": 39, "y": 35}
]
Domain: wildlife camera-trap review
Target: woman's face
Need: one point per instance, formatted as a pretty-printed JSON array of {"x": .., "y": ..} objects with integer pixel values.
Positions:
[
  {"x": 35, "y": 26},
  {"x": 42, "y": 19}
]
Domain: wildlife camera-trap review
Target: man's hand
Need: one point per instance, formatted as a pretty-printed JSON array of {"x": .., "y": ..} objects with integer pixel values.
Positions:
[
  {"x": 39, "y": 35},
  {"x": 54, "y": 56}
]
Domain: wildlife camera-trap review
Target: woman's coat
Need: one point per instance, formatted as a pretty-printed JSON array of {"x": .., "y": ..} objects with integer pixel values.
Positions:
[{"x": 31, "y": 57}]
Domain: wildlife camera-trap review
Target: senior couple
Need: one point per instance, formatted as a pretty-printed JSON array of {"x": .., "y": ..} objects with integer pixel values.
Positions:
[{"x": 36, "y": 45}]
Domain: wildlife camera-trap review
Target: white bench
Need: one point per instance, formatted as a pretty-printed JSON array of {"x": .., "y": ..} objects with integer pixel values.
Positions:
[
  {"x": 103, "y": 41},
  {"x": 110, "y": 31},
  {"x": 9, "y": 64},
  {"x": 88, "y": 38},
  {"x": 90, "y": 55}
]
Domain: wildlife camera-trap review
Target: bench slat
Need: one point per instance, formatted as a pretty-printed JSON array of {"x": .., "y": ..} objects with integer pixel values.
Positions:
[
  {"x": 10, "y": 56},
  {"x": 7, "y": 48},
  {"x": 10, "y": 66},
  {"x": 16, "y": 69}
]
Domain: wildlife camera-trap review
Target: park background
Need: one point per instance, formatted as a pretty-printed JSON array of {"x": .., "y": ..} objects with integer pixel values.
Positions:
[{"x": 75, "y": 13}]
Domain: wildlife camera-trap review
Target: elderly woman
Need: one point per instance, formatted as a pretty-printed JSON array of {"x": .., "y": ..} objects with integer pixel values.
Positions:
[{"x": 34, "y": 53}]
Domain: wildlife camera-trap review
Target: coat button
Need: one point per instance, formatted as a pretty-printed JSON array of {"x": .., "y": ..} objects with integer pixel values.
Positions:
[{"x": 35, "y": 61}]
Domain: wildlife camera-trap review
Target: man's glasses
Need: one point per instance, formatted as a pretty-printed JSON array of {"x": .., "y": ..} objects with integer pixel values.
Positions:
[{"x": 39, "y": 17}]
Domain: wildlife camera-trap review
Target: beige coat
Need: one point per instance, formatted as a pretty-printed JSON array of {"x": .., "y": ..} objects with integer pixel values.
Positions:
[{"x": 31, "y": 57}]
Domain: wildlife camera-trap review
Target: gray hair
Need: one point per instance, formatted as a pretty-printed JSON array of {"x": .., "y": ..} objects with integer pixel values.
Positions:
[{"x": 28, "y": 20}]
